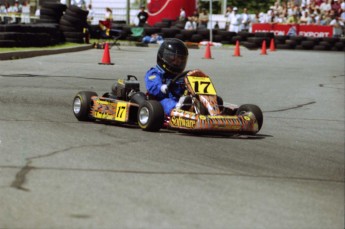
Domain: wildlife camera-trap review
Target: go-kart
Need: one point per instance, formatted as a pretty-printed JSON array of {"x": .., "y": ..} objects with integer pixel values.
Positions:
[{"x": 203, "y": 111}]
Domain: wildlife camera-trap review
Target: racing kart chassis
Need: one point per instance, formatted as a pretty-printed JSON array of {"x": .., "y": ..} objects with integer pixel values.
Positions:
[{"x": 203, "y": 111}]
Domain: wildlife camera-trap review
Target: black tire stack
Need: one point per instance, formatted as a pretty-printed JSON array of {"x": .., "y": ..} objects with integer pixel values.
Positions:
[
  {"x": 51, "y": 12},
  {"x": 72, "y": 24},
  {"x": 29, "y": 35}
]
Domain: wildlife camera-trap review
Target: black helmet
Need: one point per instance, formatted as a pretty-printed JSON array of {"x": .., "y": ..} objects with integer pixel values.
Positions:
[{"x": 172, "y": 56}]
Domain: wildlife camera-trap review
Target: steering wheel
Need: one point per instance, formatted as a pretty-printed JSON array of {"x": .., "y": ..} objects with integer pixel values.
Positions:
[{"x": 173, "y": 85}]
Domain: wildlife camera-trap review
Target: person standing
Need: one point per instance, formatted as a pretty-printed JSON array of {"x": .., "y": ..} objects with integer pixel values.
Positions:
[
  {"x": 235, "y": 24},
  {"x": 90, "y": 15},
  {"x": 190, "y": 24},
  {"x": 245, "y": 20},
  {"x": 227, "y": 15},
  {"x": 182, "y": 17},
  {"x": 203, "y": 18},
  {"x": 142, "y": 16},
  {"x": 25, "y": 17}
]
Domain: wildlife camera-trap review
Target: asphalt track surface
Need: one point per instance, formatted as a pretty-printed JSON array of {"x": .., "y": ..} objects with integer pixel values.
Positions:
[{"x": 56, "y": 172}]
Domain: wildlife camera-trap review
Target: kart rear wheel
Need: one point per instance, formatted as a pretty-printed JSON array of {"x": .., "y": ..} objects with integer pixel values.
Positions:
[
  {"x": 150, "y": 116},
  {"x": 82, "y": 104},
  {"x": 255, "y": 110}
]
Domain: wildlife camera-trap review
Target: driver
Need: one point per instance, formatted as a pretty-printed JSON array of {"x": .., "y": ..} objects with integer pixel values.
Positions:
[{"x": 171, "y": 61}]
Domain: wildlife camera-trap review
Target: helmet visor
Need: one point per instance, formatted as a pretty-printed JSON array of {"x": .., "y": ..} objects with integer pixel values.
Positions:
[{"x": 177, "y": 62}]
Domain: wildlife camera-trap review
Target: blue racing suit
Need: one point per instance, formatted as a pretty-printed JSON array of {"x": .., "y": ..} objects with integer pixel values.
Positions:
[{"x": 154, "y": 79}]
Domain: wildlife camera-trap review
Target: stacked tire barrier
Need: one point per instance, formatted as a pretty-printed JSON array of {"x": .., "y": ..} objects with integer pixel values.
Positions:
[
  {"x": 51, "y": 12},
  {"x": 29, "y": 35},
  {"x": 72, "y": 24},
  {"x": 250, "y": 40}
]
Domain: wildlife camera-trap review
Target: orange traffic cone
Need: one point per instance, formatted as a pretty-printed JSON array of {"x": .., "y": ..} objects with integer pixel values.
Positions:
[
  {"x": 263, "y": 48},
  {"x": 237, "y": 49},
  {"x": 272, "y": 46},
  {"x": 208, "y": 51},
  {"x": 106, "y": 55}
]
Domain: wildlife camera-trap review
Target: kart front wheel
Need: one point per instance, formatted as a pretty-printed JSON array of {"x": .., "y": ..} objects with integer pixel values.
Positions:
[
  {"x": 151, "y": 116},
  {"x": 82, "y": 104},
  {"x": 255, "y": 110}
]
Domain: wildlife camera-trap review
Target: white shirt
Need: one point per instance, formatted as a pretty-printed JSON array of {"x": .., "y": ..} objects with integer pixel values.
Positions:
[
  {"x": 190, "y": 25},
  {"x": 235, "y": 19}
]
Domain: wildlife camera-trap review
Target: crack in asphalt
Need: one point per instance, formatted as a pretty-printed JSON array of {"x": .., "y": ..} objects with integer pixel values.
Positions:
[
  {"x": 21, "y": 176},
  {"x": 291, "y": 108},
  {"x": 167, "y": 173}
]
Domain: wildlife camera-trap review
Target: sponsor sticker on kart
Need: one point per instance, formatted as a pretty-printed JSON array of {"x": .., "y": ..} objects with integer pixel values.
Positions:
[{"x": 201, "y": 85}]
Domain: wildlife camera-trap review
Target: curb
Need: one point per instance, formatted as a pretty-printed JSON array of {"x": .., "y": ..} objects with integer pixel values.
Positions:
[{"x": 34, "y": 53}]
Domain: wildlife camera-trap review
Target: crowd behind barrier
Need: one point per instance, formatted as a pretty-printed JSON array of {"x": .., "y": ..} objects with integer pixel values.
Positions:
[
  {"x": 315, "y": 13},
  {"x": 194, "y": 29}
]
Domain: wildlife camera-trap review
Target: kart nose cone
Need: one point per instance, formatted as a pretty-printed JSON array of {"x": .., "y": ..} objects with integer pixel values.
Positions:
[
  {"x": 76, "y": 105},
  {"x": 144, "y": 115}
]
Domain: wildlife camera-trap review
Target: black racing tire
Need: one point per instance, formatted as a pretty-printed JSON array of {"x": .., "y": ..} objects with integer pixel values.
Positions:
[
  {"x": 249, "y": 45},
  {"x": 264, "y": 34},
  {"x": 8, "y": 43},
  {"x": 65, "y": 28},
  {"x": 308, "y": 44},
  {"x": 82, "y": 13},
  {"x": 8, "y": 35},
  {"x": 54, "y": 6},
  {"x": 150, "y": 116},
  {"x": 188, "y": 33},
  {"x": 74, "y": 35},
  {"x": 151, "y": 30},
  {"x": 255, "y": 110},
  {"x": 196, "y": 38},
  {"x": 180, "y": 37},
  {"x": 74, "y": 40},
  {"x": 82, "y": 104}
]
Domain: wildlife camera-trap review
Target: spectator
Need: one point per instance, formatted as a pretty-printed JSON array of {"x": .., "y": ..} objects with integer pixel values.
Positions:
[
  {"x": 338, "y": 27},
  {"x": 335, "y": 5},
  {"x": 325, "y": 6},
  {"x": 227, "y": 15},
  {"x": 182, "y": 17},
  {"x": 142, "y": 16},
  {"x": 13, "y": 12},
  {"x": 3, "y": 14},
  {"x": 203, "y": 18},
  {"x": 342, "y": 16},
  {"x": 304, "y": 18},
  {"x": 90, "y": 15},
  {"x": 342, "y": 5},
  {"x": 216, "y": 26},
  {"x": 294, "y": 16},
  {"x": 235, "y": 24},
  {"x": 191, "y": 24},
  {"x": 245, "y": 20},
  {"x": 105, "y": 24},
  {"x": 281, "y": 18},
  {"x": 108, "y": 14},
  {"x": 25, "y": 17},
  {"x": 262, "y": 17}
]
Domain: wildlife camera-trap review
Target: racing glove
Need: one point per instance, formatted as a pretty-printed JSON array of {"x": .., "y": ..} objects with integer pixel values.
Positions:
[{"x": 164, "y": 88}]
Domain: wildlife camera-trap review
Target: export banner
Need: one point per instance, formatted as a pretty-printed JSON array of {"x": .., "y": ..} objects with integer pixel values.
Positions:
[{"x": 300, "y": 30}]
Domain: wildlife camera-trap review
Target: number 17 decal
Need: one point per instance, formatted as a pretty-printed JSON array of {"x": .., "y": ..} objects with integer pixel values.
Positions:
[
  {"x": 121, "y": 112},
  {"x": 202, "y": 85}
]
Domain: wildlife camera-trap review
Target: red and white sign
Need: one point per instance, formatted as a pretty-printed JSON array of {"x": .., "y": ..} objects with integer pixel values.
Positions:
[{"x": 301, "y": 30}]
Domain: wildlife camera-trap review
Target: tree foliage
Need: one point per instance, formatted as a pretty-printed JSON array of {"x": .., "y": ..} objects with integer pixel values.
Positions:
[{"x": 253, "y": 6}]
